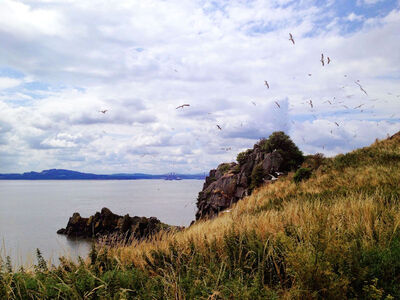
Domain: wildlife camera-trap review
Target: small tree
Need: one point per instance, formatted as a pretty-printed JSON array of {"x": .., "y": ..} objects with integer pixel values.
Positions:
[
  {"x": 291, "y": 154},
  {"x": 257, "y": 177}
]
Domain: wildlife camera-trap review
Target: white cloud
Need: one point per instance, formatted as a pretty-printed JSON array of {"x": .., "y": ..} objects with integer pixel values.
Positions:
[
  {"x": 354, "y": 17},
  {"x": 140, "y": 60},
  {"x": 6, "y": 83}
]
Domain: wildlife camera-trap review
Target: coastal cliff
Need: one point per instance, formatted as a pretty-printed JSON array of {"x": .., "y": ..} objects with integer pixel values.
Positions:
[{"x": 230, "y": 182}]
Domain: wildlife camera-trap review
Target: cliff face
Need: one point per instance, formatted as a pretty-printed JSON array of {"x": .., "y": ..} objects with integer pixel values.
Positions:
[{"x": 230, "y": 182}]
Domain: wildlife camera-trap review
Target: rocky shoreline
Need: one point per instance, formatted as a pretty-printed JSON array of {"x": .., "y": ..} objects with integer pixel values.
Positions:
[
  {"x": 106, "y": 223},
  {"x": 224, "y": 186}
]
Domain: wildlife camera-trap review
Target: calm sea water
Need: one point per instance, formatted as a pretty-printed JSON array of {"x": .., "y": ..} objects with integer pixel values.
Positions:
[{"x": 32, "y": 211}]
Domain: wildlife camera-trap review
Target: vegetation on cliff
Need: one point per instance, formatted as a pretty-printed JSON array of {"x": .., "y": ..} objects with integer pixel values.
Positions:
[{"x": 334, "y": 235}]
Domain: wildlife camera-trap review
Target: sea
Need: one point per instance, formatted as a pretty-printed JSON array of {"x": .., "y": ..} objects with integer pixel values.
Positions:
[{"x": 32, "y": 211}]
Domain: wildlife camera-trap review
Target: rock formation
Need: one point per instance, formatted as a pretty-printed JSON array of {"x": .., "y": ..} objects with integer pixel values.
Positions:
[
  {"x": 230, "y": 182},
  {"x": 107, "y": 223}
]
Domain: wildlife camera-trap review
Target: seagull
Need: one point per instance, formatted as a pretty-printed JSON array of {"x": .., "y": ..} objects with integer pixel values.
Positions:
[
  {"x": 254, "y": 103},
  {"x": 361, "y": 88},
  {"x": 266, "y": 83},
  {"x": 337, "y": 124},
  {"x": 291, "y": 38},
  {"x": 276, "y": 102},
  {"x": 309, "y": 74},
  {"x": 273, "y": 178},
  {"x": 322, "y": 60},
  {"x": 328, "y": 101},
  {"x": 310, "y": 102},
  {"x": 219, "y": 127},
  {"x": 329, "y": 60},
  {"x": 103, "y": 111},
  {"x": 358, "y": 106},
  {"x": 182, "y": 106}
]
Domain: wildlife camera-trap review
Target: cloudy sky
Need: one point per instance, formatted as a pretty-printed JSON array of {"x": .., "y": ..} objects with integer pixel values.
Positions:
[{"x": 63, "y": 61}]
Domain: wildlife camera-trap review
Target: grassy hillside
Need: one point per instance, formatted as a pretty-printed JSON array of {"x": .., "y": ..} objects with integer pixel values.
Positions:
[{"x": 335, "y": 235}]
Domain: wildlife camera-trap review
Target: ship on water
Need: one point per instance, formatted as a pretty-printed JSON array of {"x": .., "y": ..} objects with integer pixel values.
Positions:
[{"x": 172, "y": 176}]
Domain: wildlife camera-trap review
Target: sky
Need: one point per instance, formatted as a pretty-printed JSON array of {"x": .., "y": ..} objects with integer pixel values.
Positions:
[{"x": 63, "y": 61}]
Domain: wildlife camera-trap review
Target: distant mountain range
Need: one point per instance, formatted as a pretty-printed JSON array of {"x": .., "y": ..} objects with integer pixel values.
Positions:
[{"x": 60, "y": 174}]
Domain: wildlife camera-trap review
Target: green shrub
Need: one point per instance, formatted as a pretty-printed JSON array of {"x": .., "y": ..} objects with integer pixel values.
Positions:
[
  {"x": 242, "y": 156},
  {"x": 301, "y": 174},
  {"x": 279, "y": 141},
  {"x": 223, "y": 168},
  {"x": 257, "y": 177}
]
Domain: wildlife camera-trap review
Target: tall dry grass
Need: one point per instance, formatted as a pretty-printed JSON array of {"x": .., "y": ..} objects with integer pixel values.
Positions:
[{"x": 333, "y": 236}]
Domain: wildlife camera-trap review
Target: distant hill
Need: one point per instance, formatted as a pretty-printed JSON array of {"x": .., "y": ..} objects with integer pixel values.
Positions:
[{"x": 61, "y": 174}]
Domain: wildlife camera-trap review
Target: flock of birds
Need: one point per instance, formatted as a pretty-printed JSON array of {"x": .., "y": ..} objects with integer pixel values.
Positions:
[{"x": 309, "y": 102}]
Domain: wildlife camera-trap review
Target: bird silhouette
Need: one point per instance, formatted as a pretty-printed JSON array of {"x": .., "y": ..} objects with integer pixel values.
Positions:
[
  {"x": 182, "y": 106},
  {"x": 311, "y": 104},
  {"x": 337, "y": 124},
  {"x": 219, "y": 127},
  {"x": 328, "y": 101},
  {"x": 361, "y": 88},
  {"x": 276, "y": 102},
  {"x": 329, "y": 60},
  {"x": 291, "y": 38},
  {"x": 103, "y": 111},
  {"x": 358, "y": 106},
  {"x": 309, "y": 74},
  {"x": 266, "y": 83},
  {"x": 322, "y": 60},
  {"x": 253, "y": 103}
]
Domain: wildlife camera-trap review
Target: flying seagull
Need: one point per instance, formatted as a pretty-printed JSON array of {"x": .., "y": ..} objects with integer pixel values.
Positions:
[
  {"x": 337, "y": 124},
  {"x": 219, "y": 127},
  {"x": 309, "y": 74},
  {"x": 329, "y": 60},
  {"x": 310, "y": 102},
  {"x": 103, "y": 111},
  {"x": 361, "y": 88},
  {"x": 358, "y": 106},
  {"x": 291, "y": 38},
  {"x": 328, "y": 101},
  {"x": 254, "y": 103},
  {"x": 276, "y": 102},
  {"x": 322, "y": 60},
  {"x": 182, "y": 106},
  {"x": 266, "y": 83}
]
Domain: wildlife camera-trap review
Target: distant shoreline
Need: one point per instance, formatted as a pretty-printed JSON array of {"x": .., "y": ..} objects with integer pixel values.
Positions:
[{"x": 61, "y": 174}]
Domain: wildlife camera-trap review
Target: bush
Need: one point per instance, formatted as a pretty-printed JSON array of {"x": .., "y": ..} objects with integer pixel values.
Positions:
[
  {"x": 224, "y": 167},
  {"x": 242, "y": 156},
  {"x": 291, "y": 154},
  {"x": 301, "y": 174},
  {"x": 257, "y": 177}
]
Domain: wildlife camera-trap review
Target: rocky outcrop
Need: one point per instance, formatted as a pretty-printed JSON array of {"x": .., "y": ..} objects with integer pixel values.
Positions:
[
  {"x": 230, "y": 182},
  {"x": 106, "y": 223}
]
